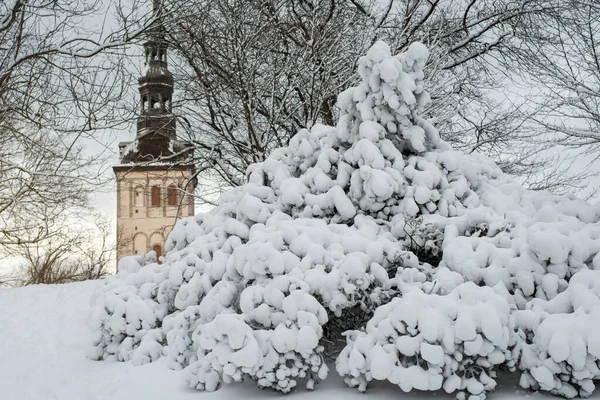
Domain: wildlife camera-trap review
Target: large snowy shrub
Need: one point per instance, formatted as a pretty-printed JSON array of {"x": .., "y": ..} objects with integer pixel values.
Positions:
[{"x": 347, "y": 229}]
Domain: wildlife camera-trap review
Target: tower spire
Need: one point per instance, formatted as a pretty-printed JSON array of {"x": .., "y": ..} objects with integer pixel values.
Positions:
[
  {"x": 157, "y": 32},
  {"x": 156, "y": 122},
  {"x": 156, "y": 138}
]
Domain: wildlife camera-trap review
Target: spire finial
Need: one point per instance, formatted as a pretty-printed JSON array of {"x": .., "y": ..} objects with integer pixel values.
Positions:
[
  {"x": 156, "y": 122},
  {"x": 157, "y": 31}
]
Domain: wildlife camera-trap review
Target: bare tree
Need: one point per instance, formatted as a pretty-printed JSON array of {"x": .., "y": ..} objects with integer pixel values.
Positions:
[
  {"x": 564, "y": 66},
  {"x": 96, "y": 258},
  {"x": 72, "y": 254},
  {"x": 61, "y": 79},
  {"x": 253, "y": 73}
]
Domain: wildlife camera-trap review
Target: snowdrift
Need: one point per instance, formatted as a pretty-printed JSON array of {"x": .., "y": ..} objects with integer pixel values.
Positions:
[{"x": 376, "y": 243}]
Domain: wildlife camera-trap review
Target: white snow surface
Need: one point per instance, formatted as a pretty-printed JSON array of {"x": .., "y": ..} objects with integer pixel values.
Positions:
[{"x": 44, "y": 338}]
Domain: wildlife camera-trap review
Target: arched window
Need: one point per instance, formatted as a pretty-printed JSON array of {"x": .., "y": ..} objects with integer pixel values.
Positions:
[
  {"x": 158, "y": 250},
  {"x": 172, "y": 195},
  {"x": 155, "y": 196},
  {"x": 155, "y": 102}
]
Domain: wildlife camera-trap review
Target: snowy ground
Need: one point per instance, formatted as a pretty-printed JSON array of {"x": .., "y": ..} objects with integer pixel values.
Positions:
[{"x": 44, "y": 337}]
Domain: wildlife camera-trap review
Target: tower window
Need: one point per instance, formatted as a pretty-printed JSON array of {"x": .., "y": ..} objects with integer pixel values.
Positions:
[
  {"x": 155, "y": 196},
  {"x": 158, "y": 251},
  {"x": 172, "y": 195}
]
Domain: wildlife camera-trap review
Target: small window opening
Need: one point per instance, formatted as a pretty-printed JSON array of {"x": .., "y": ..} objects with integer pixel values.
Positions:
[
  {"x": 172, "y": 195},
  {"x": 155, "y": 196}
]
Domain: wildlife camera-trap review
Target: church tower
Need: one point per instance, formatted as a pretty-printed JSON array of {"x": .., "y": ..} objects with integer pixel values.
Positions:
[{"x": 155, "y": 176}]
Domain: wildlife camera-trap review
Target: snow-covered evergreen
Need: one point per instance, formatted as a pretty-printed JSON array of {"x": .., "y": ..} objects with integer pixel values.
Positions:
[
  {"x": 430, "y": 266},
  {"x": 559, "y": 345},
  {"x": 429, "y": 342}
]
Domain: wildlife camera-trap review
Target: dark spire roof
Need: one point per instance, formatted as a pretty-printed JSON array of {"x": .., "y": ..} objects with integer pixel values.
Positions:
[{"x": 156, "y": 136}]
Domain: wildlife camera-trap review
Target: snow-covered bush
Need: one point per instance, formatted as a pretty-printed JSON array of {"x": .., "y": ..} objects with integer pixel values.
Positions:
[
  {"x": 351, "y": 228},
  {"x": 130, "y": 314},
  {"x": 289, "y": 349},
  {"x": 428, "y": 342},
  {"x": 533, "y": 249},
  {"x": 558, "y": 341}
]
